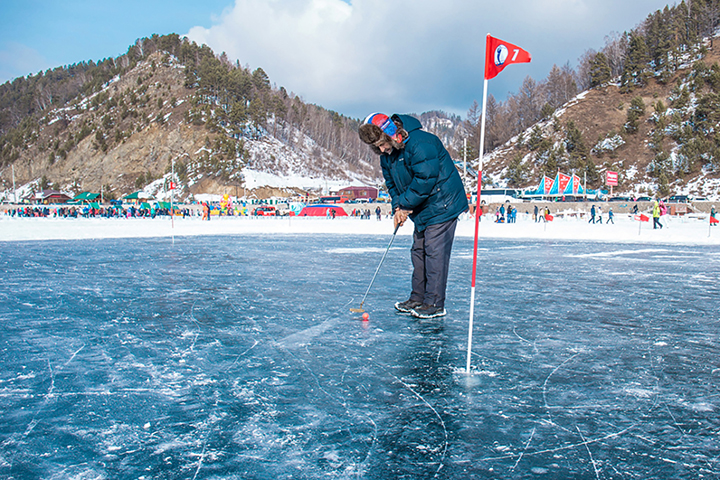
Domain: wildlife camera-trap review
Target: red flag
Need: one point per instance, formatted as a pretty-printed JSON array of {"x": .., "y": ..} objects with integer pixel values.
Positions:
[
  {"x": 499, "y": 54},
  {"x": 642, "y": 218},
  {"x": 714, "y": 220},
  {"x": 172, "y": 185},
  {"x": 549, "y": 217}
]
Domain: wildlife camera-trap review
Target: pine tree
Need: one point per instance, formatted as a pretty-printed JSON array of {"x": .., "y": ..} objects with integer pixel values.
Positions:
[
  {"x": 600, "y": 72},
  {"x": 536, "y": 137},
  {"x": 636, "y": 110},
  {"x": 517, "y": 171},
  {"x": 635, "y": 72}
]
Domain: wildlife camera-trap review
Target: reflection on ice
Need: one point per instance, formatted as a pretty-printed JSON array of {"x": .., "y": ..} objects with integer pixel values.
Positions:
[{"x": 237, "y": 357}]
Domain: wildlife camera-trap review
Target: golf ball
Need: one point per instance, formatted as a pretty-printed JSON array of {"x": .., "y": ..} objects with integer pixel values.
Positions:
[{"x": 366, "y": 316}]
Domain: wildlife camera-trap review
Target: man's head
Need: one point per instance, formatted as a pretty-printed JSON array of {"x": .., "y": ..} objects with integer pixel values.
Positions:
[{"x": 382, "y": 133}]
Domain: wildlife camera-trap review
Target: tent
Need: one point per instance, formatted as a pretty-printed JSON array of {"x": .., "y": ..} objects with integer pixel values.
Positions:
[
  {"x": 561, "y": 185},
  {"x": 85, "y": 197},
  {"x": 545, "y": 185},
  {"x": 137, "y": 196},
  {"x": 574, "y": 187},
  {"x": 321, "y": 211}
]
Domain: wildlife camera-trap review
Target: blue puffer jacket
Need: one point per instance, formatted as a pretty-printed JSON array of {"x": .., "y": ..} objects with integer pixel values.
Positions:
[{"x": 423, "y": 178}]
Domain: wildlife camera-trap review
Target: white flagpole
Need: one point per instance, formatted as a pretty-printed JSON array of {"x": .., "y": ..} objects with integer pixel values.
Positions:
[
  {"x": 709, "y": 225},
  {"x": 172, "y": 213},
  {"x": 477, "y": 226},
  {"x": 465, "y": 162},
  {"x": 14, "y": 189}
]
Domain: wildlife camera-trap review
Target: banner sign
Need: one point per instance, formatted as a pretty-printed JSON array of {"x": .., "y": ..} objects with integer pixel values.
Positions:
[{"x": 611, "y": 178}]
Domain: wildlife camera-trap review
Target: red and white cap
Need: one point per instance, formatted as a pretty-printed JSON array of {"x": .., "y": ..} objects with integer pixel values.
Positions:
[{"x": 383, "y": 121}]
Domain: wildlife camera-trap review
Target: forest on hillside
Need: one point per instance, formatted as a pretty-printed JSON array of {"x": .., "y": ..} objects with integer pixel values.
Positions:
[
  {"x": 227, "y": 97},
  {"x": 653, "y": 51},
  {"x": 233, "y": 99}
]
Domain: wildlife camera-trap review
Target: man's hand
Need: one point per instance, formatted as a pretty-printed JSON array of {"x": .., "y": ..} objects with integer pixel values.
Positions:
[{"x": 400, "y": 217}]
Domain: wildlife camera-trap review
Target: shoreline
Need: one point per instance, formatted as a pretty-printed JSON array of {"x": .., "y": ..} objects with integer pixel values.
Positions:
[{"x": 677, "y": 230}]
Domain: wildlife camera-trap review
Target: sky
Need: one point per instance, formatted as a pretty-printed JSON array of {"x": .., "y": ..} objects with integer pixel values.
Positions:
[{"x": 351, "y": 56}]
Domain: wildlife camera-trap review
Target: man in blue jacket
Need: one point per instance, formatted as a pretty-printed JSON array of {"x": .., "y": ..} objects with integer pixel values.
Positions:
[{"x": 425, "y": 186}]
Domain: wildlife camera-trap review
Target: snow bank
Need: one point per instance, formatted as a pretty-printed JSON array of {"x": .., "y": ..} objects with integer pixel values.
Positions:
[{"x": 678, "y": 230}]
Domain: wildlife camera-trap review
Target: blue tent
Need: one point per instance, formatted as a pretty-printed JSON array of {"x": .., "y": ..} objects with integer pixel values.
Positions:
[
  {"x": 561, "y": 185},
  {"x": 574, "y": 187},
  {"x": 545, "y": 185}
]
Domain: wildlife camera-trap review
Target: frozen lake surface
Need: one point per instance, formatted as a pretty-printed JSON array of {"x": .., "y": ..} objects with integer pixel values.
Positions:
[{"x": 237, "y": 357}]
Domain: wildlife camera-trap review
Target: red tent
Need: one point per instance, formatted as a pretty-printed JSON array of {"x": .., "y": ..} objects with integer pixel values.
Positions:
[{"x": 321, "y": 211}]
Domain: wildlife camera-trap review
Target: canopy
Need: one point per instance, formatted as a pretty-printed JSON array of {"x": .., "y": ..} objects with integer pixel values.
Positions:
[
  {"x": 139, "y": 195},
  {"x": 86, "y": 197},
  {"x": 321, "y": 211}
]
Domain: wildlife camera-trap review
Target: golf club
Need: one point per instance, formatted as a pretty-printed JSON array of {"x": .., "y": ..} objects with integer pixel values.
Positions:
[{"x": 360, "y": 310}]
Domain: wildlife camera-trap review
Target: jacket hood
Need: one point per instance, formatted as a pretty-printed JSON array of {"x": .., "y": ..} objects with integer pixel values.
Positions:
[{"x": 409, "y": 123}]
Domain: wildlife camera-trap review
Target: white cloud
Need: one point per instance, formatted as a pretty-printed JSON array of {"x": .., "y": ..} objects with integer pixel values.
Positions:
[{"x": 408, "y": 56}]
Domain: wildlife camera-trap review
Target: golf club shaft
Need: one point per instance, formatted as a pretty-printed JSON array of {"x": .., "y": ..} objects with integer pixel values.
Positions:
[{"x": 379, "y": 265}]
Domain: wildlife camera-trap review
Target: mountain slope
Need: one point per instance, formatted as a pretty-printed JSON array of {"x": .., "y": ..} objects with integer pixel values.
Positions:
[
  {"x": 132, "y": 129},
  {"x": 649, "y": 134},
  {"x": 124, "y": 123}
]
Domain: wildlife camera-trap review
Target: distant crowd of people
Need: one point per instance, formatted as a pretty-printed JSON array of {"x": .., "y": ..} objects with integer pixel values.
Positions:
[
  {"x": 506, "y": 213},
  {"x": 596, "y": 215},
  {"x": 366, "y": 213},
  {"x": 87, "y": 211},
  {"x": 541, "y": 215}
]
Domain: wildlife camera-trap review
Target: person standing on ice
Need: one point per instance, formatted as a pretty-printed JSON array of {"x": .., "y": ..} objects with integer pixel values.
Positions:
[
  {"x": 425, "y": 186},
  {"x": 656, "y": 215},
  {"x": 592, "y": 214}
]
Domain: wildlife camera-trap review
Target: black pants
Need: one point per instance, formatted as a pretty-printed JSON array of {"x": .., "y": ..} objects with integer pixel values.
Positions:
[{"x": 430, "y": 255}]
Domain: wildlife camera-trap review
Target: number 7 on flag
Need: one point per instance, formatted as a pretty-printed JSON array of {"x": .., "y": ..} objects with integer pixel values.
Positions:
[{"x": 496, "y": 56}]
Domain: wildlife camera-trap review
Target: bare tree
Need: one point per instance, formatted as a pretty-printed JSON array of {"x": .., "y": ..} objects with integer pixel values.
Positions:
[
  {"x": 615, "y": 50},
  {"x": 583, "y": 69},
  {"x": 499, "y": 128},
  {"x": 526, "y": 105},
  {"x": 560, "y": 86}
]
